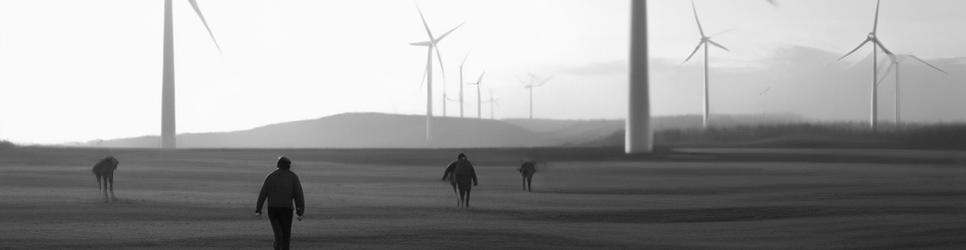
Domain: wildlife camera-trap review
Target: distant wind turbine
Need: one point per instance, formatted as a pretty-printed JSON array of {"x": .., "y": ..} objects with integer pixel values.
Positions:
[
  {"x": 431, "y": 44},
  {"x": 876, "y": 44},
  {"x": 705, "y": 41},
  {"x": 168, "y": 131},
  {"x": 479, "y": 100},
  {"x": 763, "y": 92},
  {"x": 534, "y": 82},
  {"x": 492, "y": 101},
  {"x": 461, "y": 83},
  {"x": 895, "y": 62},
  {"x": 445, "y": 97}
]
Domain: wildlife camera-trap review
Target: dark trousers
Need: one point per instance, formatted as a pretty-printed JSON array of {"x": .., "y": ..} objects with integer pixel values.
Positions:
[{"x": 281, "y": 218}]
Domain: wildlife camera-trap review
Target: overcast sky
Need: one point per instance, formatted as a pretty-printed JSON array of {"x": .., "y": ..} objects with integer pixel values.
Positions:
[{"x": 81, "y": 70}]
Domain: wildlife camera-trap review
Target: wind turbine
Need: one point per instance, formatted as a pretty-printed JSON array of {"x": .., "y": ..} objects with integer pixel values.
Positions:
[
  {"x": 765, "y": 91},
  {"x": 705, "y": 41},
  {"x": 479, "y": 100},
  {"x": 431, "y": 44},
  {"x": 461, "y": 83},
  {"x": 895, "y": 63},
  {"x": 492, "y": 103},
  {"x": 168, "y": 131},
  {"x": 876, "y": 45},
  {"x": 534, "y": 82}
]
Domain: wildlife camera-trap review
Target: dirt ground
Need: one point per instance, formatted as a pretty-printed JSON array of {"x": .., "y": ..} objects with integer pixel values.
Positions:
[{"x": 357, "y": 199}]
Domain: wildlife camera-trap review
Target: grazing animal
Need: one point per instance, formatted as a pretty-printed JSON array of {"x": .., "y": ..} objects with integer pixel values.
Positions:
[
  {"x": 462, "y": 173},
  {"x": 527, "y": 169},
  {"x": 104, "y": 170},
  {"x": 448, "y": 176}
]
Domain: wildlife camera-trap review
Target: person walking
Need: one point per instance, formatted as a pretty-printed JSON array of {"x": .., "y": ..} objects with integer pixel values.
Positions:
[
  {"x": 281, "y": 187},
  {"x": 463, "y": 173}
]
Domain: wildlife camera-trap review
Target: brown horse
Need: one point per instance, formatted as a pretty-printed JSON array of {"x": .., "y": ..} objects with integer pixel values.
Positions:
[
  {"x": 527, "y": 169},
  {"x": 105, "y": 170}
]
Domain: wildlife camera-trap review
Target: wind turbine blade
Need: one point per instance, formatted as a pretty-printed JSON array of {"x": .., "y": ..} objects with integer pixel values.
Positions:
[
  {"x": 875, "y": 25},
  {"x": 422, "y": 80},
  {"x": 448, "y": 32},
  {"x": 893, "y": 58},
  {"x": 892, "y": 66},
  {"x": 194, "y": 5},
  {"x": 928, "y": 64},
  {"x": 422, "y": 44},
  {"x": 723, "y": 32},
  {"x": 884, "y": 49},
  {"x": 695, "y": 9},
  {"x": 545, "y": 81},
  {"x": 884, "y": 64},
  {"x": 464, "y": 59},
  {"x": 442, "y": 69},
  {"x": 855, "y": 49},
  {"x": 425, "y": 24},
  {"x": 773, "y": 2},
  {"x": 479, "y": 80},
  {"x": 718, "y": 45},
  {"x": 696, "y": 48}
]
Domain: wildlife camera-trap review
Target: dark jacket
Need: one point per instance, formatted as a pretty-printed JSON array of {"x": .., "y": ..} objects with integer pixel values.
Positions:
[
  {"x": 281, "y": 187},
  {"x": 461, "y": 169}
]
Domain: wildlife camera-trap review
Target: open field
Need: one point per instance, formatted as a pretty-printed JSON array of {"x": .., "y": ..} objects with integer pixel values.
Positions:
[{"x": 584, "y": 198}]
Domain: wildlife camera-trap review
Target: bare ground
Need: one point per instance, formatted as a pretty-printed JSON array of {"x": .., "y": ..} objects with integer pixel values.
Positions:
[{"x": 714, "y": 199}]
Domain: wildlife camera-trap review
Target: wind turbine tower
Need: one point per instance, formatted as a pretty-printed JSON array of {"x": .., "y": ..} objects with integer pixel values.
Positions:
[
  {"x": 461, "y": 83},
  {"x": 638, "y": 137},
  {"x": 168, "y": 130},
  {"x": 431, "y": 45}
]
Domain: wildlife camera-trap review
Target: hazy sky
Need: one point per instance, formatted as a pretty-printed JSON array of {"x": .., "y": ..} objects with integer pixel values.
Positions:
[{"x": 81, "y": 70}]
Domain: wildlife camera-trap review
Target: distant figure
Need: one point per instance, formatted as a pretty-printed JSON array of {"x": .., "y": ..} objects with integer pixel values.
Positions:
[
  {"x": 462, "y": 172},
  {"x": 104, "y": 169},
  {"x": 281, "y": 187},
  {"x": 527, "y": 169}
]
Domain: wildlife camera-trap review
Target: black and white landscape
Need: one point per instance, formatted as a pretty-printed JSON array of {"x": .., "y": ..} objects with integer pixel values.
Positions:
[{"x": 634, "y": 124}]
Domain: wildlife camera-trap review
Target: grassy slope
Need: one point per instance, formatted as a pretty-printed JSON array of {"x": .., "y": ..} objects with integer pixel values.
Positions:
[{"x": 835, "y": 135}]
